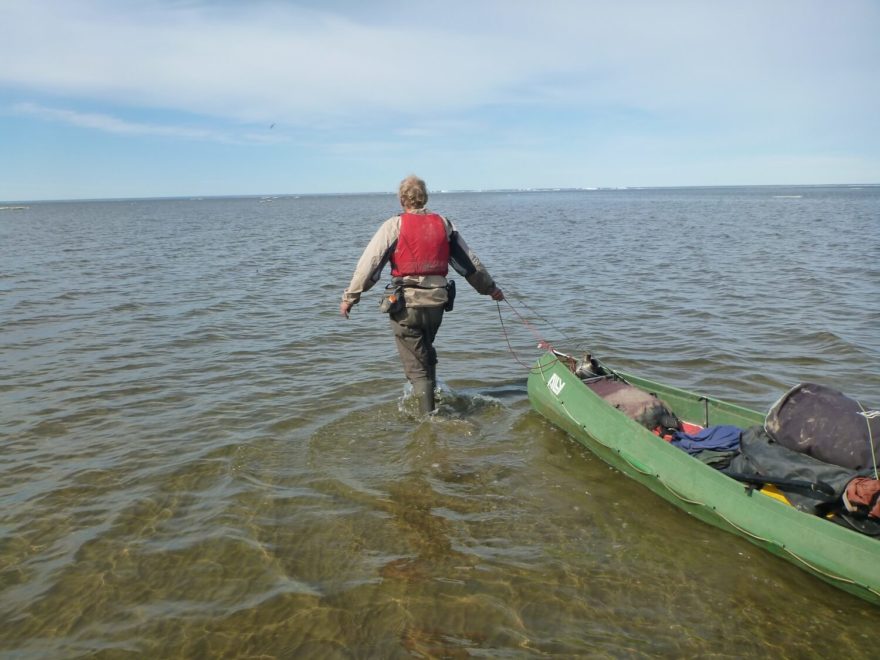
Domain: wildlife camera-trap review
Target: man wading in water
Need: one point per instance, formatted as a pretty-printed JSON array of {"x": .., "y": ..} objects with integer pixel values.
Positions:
[{"x": 420, "y": 245}]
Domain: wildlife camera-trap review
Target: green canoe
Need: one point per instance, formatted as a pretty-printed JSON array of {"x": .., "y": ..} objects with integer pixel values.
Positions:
[{"x": 838, "y": 555}]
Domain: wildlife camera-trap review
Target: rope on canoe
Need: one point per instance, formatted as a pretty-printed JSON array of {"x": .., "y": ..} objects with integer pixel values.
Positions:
[
  {"x": 746, "y": 532},
  {"x": 870, "y": 438},
  {"x": 750, "y": 534},
  {"x": 741, "y": 530},
  {"x": 832, "y": 576},
  {"x": 787, "y": 550}
]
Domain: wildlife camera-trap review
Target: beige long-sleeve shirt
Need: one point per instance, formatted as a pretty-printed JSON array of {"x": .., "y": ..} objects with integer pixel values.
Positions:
[{"x": 424, "y": 290}]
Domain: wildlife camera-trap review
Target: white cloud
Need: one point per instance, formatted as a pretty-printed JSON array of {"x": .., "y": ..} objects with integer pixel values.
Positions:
[
  {"x": 110, "y": 124},
  {"x": 260, "y": 63},
  {"x": 385, "y": 61}
]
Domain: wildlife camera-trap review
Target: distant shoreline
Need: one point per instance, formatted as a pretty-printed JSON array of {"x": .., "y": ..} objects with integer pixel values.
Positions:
[{"x": 21, "y": 204}]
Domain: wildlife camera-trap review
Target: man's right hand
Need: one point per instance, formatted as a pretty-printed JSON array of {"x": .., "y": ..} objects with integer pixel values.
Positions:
[
  {"x": 345, "y": 308},
  {"x": 497, "y": 294}
]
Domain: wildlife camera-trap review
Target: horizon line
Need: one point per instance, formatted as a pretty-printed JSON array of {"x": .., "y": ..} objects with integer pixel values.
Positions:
[{"x": 274, "y": 196}]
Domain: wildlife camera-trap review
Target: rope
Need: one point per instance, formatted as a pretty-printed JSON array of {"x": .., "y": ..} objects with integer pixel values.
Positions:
[
  {"x": 519, "y": 297},
  {"x": 542, "y": 343},
  {"x": 870, "y": 438}
]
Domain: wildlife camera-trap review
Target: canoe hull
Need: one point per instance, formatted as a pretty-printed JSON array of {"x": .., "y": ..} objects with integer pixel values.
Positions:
[{"x": 839, "y": 556}]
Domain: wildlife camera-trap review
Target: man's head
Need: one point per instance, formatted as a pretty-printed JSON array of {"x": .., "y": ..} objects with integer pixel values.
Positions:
[{"x": 413, "y": 193}]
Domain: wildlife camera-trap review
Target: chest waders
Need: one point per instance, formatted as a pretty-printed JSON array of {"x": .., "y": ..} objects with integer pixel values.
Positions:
[{"x": 414, "y": 331}]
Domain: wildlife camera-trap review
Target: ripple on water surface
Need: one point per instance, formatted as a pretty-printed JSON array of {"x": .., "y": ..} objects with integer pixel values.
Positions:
[{"x": 201, "y": 458}]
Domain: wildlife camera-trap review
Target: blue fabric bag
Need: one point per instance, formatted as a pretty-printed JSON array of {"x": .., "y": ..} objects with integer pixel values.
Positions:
[{"x": 717, "y": 438}]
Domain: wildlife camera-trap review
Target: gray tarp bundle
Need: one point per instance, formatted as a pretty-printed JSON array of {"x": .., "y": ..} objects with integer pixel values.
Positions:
[{"x": 826, "y": 424}]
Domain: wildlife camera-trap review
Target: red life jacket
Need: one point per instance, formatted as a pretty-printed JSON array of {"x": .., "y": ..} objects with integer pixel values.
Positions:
[{"x": 422, "y": 247}]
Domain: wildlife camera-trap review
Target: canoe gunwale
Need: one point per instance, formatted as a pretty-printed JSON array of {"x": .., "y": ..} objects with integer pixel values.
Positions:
[{"x": 839, "y": 556}]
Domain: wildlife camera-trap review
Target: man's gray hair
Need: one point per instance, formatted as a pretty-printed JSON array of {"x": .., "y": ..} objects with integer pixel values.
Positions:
[{"x": 413, "y": 193}]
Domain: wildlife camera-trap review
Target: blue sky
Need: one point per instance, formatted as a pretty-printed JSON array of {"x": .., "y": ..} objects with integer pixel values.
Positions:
[{"x": 107, "y": 98}]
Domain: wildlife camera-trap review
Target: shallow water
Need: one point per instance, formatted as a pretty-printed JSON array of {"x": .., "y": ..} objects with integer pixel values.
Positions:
[{"x": 201, "y": 458}]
